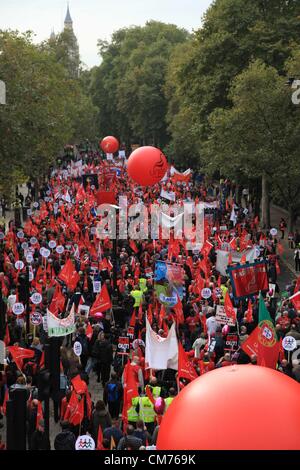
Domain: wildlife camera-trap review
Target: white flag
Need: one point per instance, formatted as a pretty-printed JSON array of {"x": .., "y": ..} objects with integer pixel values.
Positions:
[
  {"x": 233, "y": 216},
  {"x": 170, "y": 195},
  {"x": 161, "y": 353}
]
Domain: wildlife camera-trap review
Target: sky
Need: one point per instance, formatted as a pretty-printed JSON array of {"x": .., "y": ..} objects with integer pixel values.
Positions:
[{"x": 97, "y": 19}]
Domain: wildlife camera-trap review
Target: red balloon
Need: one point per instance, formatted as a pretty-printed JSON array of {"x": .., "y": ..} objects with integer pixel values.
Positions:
[
  {"x": 147, "y": 166},
  {"x": 109, "y": 144},
  {"x": 243, "y": 407}
]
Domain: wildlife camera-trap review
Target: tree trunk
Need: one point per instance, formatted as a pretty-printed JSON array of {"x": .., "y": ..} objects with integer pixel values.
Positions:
[{"x": 265, "y": 203}]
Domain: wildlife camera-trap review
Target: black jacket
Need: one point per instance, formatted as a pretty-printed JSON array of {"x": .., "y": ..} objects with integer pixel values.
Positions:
[
  {"x": 39, "y": 441},
  {"x": 103, "y": 351},
  {"x": 65, "y": 440}
]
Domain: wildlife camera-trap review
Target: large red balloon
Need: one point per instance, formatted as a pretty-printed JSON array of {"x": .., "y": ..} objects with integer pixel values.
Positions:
[
  {"x": 109, "y": 144},
  {"x": 147, "y": 166},
  {"x": 243, "y": 407}
]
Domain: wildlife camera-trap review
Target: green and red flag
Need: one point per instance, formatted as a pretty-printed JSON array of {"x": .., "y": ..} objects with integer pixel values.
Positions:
[{"x": 263, "y": 340}]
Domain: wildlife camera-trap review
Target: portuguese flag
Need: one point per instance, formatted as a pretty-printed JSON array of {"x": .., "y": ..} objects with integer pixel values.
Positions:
[
  {"x": 268, "y": 344},
  {"x": 263, "y": 341}
]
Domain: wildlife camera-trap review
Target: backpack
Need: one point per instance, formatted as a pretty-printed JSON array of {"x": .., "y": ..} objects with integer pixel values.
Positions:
[{"x": 113, "y": 394}]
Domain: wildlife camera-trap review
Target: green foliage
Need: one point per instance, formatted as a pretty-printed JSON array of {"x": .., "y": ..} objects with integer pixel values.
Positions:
[
  {"x": 44, "y": 110},
  {"x": 128, "y": 87},
  {"x": 260, "y": 134}
]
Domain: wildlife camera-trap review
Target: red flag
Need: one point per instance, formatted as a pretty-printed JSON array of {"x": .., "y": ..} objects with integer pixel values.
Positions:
[
  {"x": 150, "y": 314},
  {"x": 140, "y": 314},
  {"x": 297, "y": 286},
  {"x": 58, "y": 301},
  {"x": 100, "y": 439},
  {"x": 69, "y": 275},
  {"x": 19, "y": 354},
  {"x": 79, "y": 385},
  {"x": 295, "y": 299},
  {"x": 102, "y": 302},
  {"x": 249, "y": 313},
  {"x": 75, "y": 410},
  {"x": 130, "y": 390},
  {"x": 280, "y": 249},
  {"x": 243, "y": 259},
  {"x": 4, "y": 402},
  {"x": 89, "y": 331},
  {"x": 185, "y": 368},
  {"x": 132, "y": 319},
  {"x": 133, "y": 246},
  {"x": 206, "y": 249},
  {"x": 105, "y": 197},
  {"x": 233, "y": 244},
  {"x": 162, "y": 315},
  {"x": 39, "y": 417},
  {"x": 149, "y": 394},
  {"x": 7, "y": 336},
  {"x": 178, "y": 311},
  {"x": 229, "y": 310}
]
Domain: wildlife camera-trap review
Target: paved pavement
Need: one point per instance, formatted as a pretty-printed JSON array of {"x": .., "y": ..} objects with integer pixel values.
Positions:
[{"x": 288, "y": 254}]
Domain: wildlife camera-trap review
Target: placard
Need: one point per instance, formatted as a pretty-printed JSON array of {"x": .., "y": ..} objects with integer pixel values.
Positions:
[
  {"x": 52, "y": 244},
  {"x": 29, "y": 258},
  {"x": 83, "y": 309},
  {"x": 289, "y": 343},
  {"x": 123, "y": 345},
  {"x": 96, "y": 287},
  {"x": 85, "y": 442},
  {"x": 222, "y": 318},
  {"x": 59, "y": 249},
  {"x": 231, "y": 343},
  {"x": 206, "y": 293},
  {"x": 36, "y": 318},
  {"x": 18, "y": 308},
  {"x": 36, "y": 298},
  {"x": 130, "y": 332},
  {"x": 77, "y": 348},
  {"x": 19, "y": 265}
]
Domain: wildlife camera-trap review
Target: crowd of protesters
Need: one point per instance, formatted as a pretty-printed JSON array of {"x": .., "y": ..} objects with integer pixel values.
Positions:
[{"x": 67, "y": 214}]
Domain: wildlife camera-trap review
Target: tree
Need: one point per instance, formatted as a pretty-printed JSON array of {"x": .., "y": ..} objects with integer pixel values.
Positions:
[
  {"x": 128, "y": 85},
  {"x": 235, "y": 32},
  {"x": 65, "y": 48},
  {"x": 44, "y": 110},
  {"x": 259, "y": 136},
  {"x": 180, "y": 116}
]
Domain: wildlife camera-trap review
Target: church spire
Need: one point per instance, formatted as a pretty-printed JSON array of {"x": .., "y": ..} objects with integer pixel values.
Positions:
[{"x": 68, "y": 19}]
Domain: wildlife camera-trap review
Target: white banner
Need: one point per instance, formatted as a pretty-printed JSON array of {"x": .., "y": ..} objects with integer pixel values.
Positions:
[
  {"x": 161, "y": 353},
  {"x": 222, "y": 258},
  {"x": 60, "y": 327},
  {"x": 170, "y": 195}
]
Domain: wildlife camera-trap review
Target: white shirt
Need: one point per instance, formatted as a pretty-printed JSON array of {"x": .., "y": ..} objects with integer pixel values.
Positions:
[{"x": 211, "y": 324}]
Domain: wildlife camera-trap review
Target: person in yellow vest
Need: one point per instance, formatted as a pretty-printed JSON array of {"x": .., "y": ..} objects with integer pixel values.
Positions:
[
  {"x": 154, "y": 387},
  {"x": 224, "y": 289},
  {"x": 132, "y": 413},
  {"x": 147, "y": 413},
  {"x": 137, "y": 294},
  {"x": 168, "y": 401},
  {"x": 143, "y": 284}
]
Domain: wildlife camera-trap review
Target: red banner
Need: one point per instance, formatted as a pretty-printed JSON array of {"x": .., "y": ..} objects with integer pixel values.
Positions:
[{"x": 248, "y": 279}]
